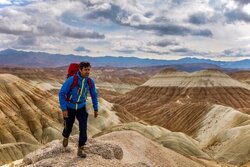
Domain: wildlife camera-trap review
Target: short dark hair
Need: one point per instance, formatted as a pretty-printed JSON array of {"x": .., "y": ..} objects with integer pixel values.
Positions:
[{"x": 84, "y": 64}]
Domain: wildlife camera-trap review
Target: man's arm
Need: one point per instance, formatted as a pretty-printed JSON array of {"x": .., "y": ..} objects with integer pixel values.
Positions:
[
  {"x": 94, "y": 98},
  {"x": 63, "y": 94}
]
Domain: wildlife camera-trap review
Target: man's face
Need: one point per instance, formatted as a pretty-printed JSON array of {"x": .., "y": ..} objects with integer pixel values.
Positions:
[{"x": 85, "y": 72}]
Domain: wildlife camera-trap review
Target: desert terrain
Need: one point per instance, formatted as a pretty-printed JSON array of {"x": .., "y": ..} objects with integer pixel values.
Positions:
[{"x": 148, "y": 117}]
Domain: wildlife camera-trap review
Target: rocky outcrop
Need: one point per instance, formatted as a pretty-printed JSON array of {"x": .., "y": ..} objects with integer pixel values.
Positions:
[
  {"x": 123, "y": 148},
  {"x": 176, "y": 141}
]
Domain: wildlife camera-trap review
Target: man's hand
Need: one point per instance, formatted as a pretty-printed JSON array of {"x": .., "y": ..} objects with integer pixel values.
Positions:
[
  {"x": 95, "y": 114},
  {"x": 65, "y": 114}
]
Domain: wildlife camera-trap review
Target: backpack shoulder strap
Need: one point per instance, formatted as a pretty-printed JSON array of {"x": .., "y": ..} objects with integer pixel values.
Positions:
[
  {"x": 75, "y": 82},
  {"x": 89, "y": 83},
  {"x": 90, "y": 86}
]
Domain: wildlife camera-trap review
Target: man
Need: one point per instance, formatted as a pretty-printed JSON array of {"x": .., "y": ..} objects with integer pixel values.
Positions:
[{"x": 73, "y": 104}]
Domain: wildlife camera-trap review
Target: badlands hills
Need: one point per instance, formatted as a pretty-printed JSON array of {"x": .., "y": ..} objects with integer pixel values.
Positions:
[
  {"x": 243, "y": 76},
  {"x": 207, "y": 105},
  {"x": 111, "y": 79},
  {"x": 184, "y": 119},
  {"x": 170, "y": 86},
  {"x": 30, "y": 117}
]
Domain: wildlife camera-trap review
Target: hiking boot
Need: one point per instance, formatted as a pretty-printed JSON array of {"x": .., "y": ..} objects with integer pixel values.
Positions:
[
  {"x": 81, "y": 152},
  {"x": 65, "y": 142}
]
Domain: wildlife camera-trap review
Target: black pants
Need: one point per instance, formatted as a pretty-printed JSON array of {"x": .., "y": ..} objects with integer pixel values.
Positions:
[{"x": 82, "y": 117}]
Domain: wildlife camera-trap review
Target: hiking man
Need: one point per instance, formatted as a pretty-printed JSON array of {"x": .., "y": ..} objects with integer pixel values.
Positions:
[{"x": 73, "y": 104}]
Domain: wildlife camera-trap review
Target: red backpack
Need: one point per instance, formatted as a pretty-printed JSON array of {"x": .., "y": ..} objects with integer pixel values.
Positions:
[{"x": 72, "y": 71}]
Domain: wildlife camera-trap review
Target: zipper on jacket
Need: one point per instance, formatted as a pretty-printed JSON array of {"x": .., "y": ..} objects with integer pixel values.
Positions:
[{"x": 83, "y": 81}]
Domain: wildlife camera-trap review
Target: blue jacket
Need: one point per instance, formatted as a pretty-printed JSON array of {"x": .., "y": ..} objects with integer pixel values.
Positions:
[{"x": 78, "y": 94}]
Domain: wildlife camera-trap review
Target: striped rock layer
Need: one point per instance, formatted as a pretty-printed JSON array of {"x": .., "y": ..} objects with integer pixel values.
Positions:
[{"x": 208, "y": 105}]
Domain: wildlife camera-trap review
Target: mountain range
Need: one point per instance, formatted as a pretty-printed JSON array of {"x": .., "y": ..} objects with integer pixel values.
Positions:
[{"x": 15, "y": 58}]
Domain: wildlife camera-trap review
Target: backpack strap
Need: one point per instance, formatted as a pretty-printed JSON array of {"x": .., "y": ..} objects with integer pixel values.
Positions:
[
  {"x": 89, "y": 83},
  {"x": 75, "y": 82},
  {"x": 90, "y": 86}
]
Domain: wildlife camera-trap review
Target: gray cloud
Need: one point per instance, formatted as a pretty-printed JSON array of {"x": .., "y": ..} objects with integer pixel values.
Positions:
[
  {"x": 81, "y": 49},
  {"x": 204, "y": 32},
  {"x": 163, "y": 43},
  {"x": 198, "y": 18},
  {"x": 181, "y": 50},
  {"x": 228, "y": 52},
  {"x": 153, "y": 51},
  {"x": 74, "y": 33},
  {"x": 244, "y": 2},
  {"x": 178, "y": 2},
  {"x": 237, "y": 52},
  {"x": 26, "y": 40},
  {"x": 111, "y": 12},
  {"x": 21, "y": 22},
  {"x": 188, "y": 52},
  {"x": 237, "y": 15},
  {"x": 149, "y": 14},
  {"x": 171, "y": 29},
  {"x": 52, "y": 24},
  {"x": 14, "y": 22},
  {"x": 161, "y": 25},
  {"x": 49, "y": 28},
  {"x": 7, "y": 30},
  {"x": 57, "y": 28},
  {"x": 167, "y": 28},
  {"x": 127, "y": 51}
]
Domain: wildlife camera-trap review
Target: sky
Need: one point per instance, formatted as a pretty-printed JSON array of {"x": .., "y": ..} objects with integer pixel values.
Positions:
[{"x": 155, "y": 29}]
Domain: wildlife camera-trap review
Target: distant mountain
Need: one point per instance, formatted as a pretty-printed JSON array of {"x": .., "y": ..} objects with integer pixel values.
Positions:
[
  {"x": 191, "y": 67},
  {"x": 16, "y": 58}
]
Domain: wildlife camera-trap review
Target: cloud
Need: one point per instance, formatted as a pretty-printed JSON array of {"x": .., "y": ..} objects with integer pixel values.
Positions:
[
  {"x": 106, "y": 10},
  {"x": 198, "y": 18},
  {"x": 9, "y": 3},
  {"x": 33, "y": 21},
  {"x": 244, "y": 2},
  {"x": 6, "y": 30},
  {"x": 181, "y": 50},
  {"x": 103, "y": 25},
  {"x": 126, "y": 44},
  {"x": 141, "y": 20},
  {"x": 149, "y": 14},
  {"x": 26, "y": 40},
  {"x": 81, "y": 49},
  {"x": 78, "y": 33},
  {"x": 49, "y": 28},
  {"x": 237, "y": 15},
  {"x": 14, "y": 22},
  {"x": 163, "y": 43},
  {"x": 132, "y": 45},
  {"x": 126, "y": 51},
  {"x": 153, "y": 51},
  {"x": 5, "y": 2},
  {"x": 237, "y": 52},
  {"x": 57, "y": 28},
  {"x": 172, "y": 29}
]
